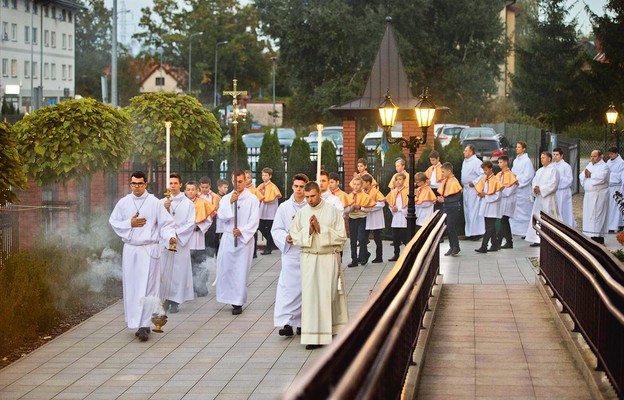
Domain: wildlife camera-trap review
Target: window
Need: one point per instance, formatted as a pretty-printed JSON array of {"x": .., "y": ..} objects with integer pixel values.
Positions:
[
  {"x": 46, "y": 38},
  {"x": 27, "y": 5},
  {"x": 63, "y": 72},
  {"x": 69, "y": 15},
  {"x": 34, "y": 35},
  {"x": 160, "y": 81},
  {"x": 5, "y": 30},
  {"x": 64, "y": 41},
  {"x": 53, "y": 71},
  {"x": 70, "y": 40},
  {"x": 5, "y": 3},
  {"x": 5, "y": 67},
  {"x": 53, "y": 39},
  {"x": 14, "y": 4},
  {"x": 46, "y": 11},
  {"x": 25, "y": 101},
  {"x": 14, "y": 32},
  {"x": 35, "y": 70},
  {"x": 46, "y": 70},
  {"x": 26, "y": 69},
  {"x": 14, "y": 68},
  {"x": 27, "y": 34},
  {"x": 64, "y": 15},
  {"x": 53, "y": 12},
  {"x": 70, "y": 73},
  {"x": 35, "y": 8}
]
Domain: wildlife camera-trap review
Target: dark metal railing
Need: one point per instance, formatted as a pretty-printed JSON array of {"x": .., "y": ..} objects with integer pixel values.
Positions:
[
  {"x": 589, "y": 282},
  {"x": 371, "y": 357}
]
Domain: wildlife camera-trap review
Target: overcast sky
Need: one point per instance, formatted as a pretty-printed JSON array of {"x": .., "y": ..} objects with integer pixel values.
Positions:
[{"x": 133, "y": 14}]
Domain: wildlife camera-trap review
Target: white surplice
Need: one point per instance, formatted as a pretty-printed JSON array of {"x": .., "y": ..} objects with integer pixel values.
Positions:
[
  {"x": 234, "y": 262},
  {"x": 472, "y": 172},
  {"x": 333, "y": 200},
  {"x": 524, "y": 171},
  {"x": 596, "y": 199},
  {"x": 324, "y": 303},
  {"x": 616, "y": 170},
  {"x": 508, "y": 195},
  {"x": 140, "y": 261},
  {"x": 547, "y": 178},
  {"x": 564, "y": 193},
  {"x": 288, "y": 295},
  {"x": 177, "y": 273}
]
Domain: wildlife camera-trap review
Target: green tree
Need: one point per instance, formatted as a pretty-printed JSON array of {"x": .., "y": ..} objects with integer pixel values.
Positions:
[
  {"x": 423, "y": 161},
  {"x": 329, "y": 162},
  {"x": 454, "y": 154},
  {"x": 194, "y": 130},
  {"x": 549, "y": 77},
  {"x": 11, "y": 174},
  {"x": 271, "y": 156},
  {"x": 93, "y": 47},
  {"x": 299, "y": 159},
  {"x": 72, "y": 140},
  {"x": 241, "y": 159}
]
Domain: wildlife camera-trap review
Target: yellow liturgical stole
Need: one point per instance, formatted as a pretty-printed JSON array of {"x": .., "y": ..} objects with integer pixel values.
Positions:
[
  {"x": 270, "y": 191},
  {"x": 256, "y": 192},
  {"x": 375, "y": 194},
  {"x": 344, "y": 197},
  {"x": 424, "y": 194},
  {"x": 438, "y": 170},
  {"x": 449, "y": 187},
  {"x": 391, "y": 198},
  {"x": 507, "y": 178},
  {"x": 361, "y": 199},
  {"x": 494, "y": 185},
  {"x": 203, "y": 209}
]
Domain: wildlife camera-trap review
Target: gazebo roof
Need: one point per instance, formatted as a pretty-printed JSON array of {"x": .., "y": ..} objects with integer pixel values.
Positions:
[{"x": 388, "y": 73}]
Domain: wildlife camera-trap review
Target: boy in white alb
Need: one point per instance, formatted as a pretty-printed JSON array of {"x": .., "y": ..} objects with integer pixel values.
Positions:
[{"x": 397, "y": 202}]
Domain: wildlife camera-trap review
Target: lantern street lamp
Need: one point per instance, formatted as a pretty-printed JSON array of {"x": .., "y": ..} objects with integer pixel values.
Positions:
[
  {"x": 612, "y": 116},
  {"x": 425, "y": 110}
]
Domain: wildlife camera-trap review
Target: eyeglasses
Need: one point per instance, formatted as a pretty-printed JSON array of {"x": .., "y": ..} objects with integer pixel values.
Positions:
[{"x": 137, "y": 184}]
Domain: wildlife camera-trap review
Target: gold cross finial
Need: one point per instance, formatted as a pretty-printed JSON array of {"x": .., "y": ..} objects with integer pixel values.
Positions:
[{"x": 234, "y": 93}]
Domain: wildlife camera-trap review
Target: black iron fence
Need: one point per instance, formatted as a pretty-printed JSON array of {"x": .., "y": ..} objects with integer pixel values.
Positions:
[
  {"x": 371, "y": 357},
  {"x": 589, "y": 282},
  {"x": 8, "y": 232}
]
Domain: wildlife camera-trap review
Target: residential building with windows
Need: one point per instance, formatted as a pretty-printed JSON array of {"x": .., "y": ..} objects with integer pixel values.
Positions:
[
  {"x": 162, "y": 78},
  {"x": 33, "y": 64}
]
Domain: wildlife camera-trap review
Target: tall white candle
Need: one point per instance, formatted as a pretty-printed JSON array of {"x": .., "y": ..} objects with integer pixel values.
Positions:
[
  {"x": 168, "y": 153},
  {"x": 319, "y": 128}
]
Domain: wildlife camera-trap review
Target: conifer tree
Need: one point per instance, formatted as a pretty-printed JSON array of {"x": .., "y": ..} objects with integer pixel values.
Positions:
[
  {"x": 271, "y": 156},
  {"x": 328, "y": 157},
  {"x": 298, "y": 161}
]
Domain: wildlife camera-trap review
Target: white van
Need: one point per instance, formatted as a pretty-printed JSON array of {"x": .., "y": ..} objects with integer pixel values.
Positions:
[{"x": 373, "y": 139}]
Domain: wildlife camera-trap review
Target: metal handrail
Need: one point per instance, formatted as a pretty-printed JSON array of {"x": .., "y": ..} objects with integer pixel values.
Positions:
[
  {"x": 585, "y": 278},
  {"x": 352, "y": 365}
]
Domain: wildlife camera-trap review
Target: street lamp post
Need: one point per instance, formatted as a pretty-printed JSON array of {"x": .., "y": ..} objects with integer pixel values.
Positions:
[
  {"x": 425, "y": 110},
  {"x": 274, "y": 59},
  {"x": 190, "y": 57},
  {"x": 216, "y": 69},
  {"x": 612, "y": 116}
]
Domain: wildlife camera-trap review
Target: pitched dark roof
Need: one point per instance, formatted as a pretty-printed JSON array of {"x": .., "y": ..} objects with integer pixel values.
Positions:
[{"x": 388, "y": 73}]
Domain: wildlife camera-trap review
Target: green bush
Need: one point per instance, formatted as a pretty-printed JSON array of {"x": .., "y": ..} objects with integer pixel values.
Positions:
[
  {"x": 241, "y": 151},
  {"x": 586, "y": 130},
  {"x": 271, "y": 156},
  {"x": 454, "y": 154},
  {"x": 423, "y": 162},
  {"x": 329, "y": 162},
  {"x": 298, "y": 161}
]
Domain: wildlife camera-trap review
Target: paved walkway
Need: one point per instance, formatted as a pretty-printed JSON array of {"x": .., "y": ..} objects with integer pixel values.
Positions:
[{"x": 206, "y": 352}]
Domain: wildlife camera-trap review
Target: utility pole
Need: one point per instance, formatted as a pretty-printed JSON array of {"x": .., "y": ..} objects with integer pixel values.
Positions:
[{"x": 114, "y": 58}]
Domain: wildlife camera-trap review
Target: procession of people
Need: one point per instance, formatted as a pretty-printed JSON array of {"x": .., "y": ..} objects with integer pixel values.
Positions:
[{"x": 167, "y": 242}]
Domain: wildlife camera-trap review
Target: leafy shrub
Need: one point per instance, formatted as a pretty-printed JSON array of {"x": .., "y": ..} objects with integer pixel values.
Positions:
[
  {"x": 271, "y": 156},
  {"x": 586, "y": 130},
  {"x": 329, "y": 162}
]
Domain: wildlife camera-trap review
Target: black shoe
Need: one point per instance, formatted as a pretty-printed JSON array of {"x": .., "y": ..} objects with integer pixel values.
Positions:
[
  {"x": 493, "y": 248},
  {"x": 364, "y": 260},
  {"x": 476, "y": 238},
  {"x": 393, "y": 258},
  {"x": 377, "y": 260},
  {"x": 507, "y": 245},
  {"x": 481, "y": 250},
  {"x": 534, "y": 245},
  {"x": 143, "y": 334},
  {"x": 287, "y": 330},
  {"x": 313, "y": 346},
  {"x": 448, "y": 253},
  {"x": 298, "y": 331},
  {"x": 173, "y": 307},
  {"x": 255, "y": 255},
  {"x": 202, "y": 294},
  {"x": 353, "y": 264},
  {"x": 611, "y": 231},
  {"x": 266, "y": 252},
  {"x": 237, "y": 310},
  {"x": 523, "y": 237},
  {"x": 139, "y": 331},
  {"x": 455, "y": 252}
]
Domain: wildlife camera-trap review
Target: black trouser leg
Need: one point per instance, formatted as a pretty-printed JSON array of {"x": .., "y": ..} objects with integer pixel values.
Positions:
[
  {"x": 378, "y": 242},
  {"x": 255, "y": 242},
  {"x": 505, "y": 231},
  {"x": 452, "y": 216},
  {"x": 362, "y": 238},
  {"x": 490, "y": 233},
  {"x": 353, "y": 238},
  {"x": 265, "y": 228}
]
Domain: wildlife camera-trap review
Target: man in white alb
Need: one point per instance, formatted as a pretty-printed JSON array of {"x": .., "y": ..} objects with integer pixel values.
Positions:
[
  {"x": 287, "y": 312},
  {"x": 524, "y": 171},
  {"x": 471, "y": 174},
  {"x": 564, "y": 191},
  {"x": 595, "y": 181},
  {"x": 141, "y": 221},
  {"x": 616, "y": 170},
  {"x": 544, "y": 184}
]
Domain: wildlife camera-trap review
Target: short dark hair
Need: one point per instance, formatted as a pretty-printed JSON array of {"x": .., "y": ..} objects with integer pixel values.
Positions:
[
  {"x": 312, "y": 185},
  {"x": 247, "y": 172},
  {"x": 325, "y": 173},
  {"x": 205, "y": 180},
  {"x": 504, "y": 157},
  {"x": 362, "y": 161},
  {"x": 176, "y": 176},
  {"x": 522, "y": 143},
  {"x": 472, "y": 148},
  {"x": 420, "y": 177},
  {"x": 447, "y": 166},
  {"x": 139, "y": 175},
  {"x": 222, "y": 182},
  {"x": 487, "y": 164},
  {"x": 239, "y": 172},
  {"x": 267, "y": 170},
  {"x": 367, "y": 178},
  {"x": 301, "y": 177},
  {"x": 547, "y": 154},
  {"x": 558, "y": 150},
  {"x": 434, "y": 154},
  {"x": 613, "y": 149},
  {"x": 335, "y": 176},
  {"x": 191, "y": 183}
]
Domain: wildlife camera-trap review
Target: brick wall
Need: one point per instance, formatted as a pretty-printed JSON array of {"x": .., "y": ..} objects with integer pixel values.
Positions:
[{"x": 349, "y": 151}]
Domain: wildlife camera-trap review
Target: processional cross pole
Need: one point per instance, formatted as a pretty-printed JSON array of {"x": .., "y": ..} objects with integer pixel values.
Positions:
[{"x": 235, "y": 93}]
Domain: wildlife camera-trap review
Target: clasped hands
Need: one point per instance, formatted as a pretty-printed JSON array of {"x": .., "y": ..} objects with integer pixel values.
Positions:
[{"x": 314, "y": 225}]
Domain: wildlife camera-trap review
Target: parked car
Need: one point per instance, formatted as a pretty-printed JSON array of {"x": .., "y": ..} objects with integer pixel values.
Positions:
[
  {"x": 478, "y": 132},
  {"x": 286, "y": 136},
  {"x": 445, "y": 132},
  {"x": 373, "y": 139},
  {"x": 486, "y": 149},
  {"x": 253, "y": 140},
  {"x": 313, "y": 143},
  {"x": 334, "y": 132}
]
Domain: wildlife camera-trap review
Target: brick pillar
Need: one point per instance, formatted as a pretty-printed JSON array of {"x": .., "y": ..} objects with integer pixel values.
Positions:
[
  {"x": 411, "y": 128},
  {"x": 98, "y": 191},
  {"x": 30, "y": 220},
  {"x": 349, "y": 151}
]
